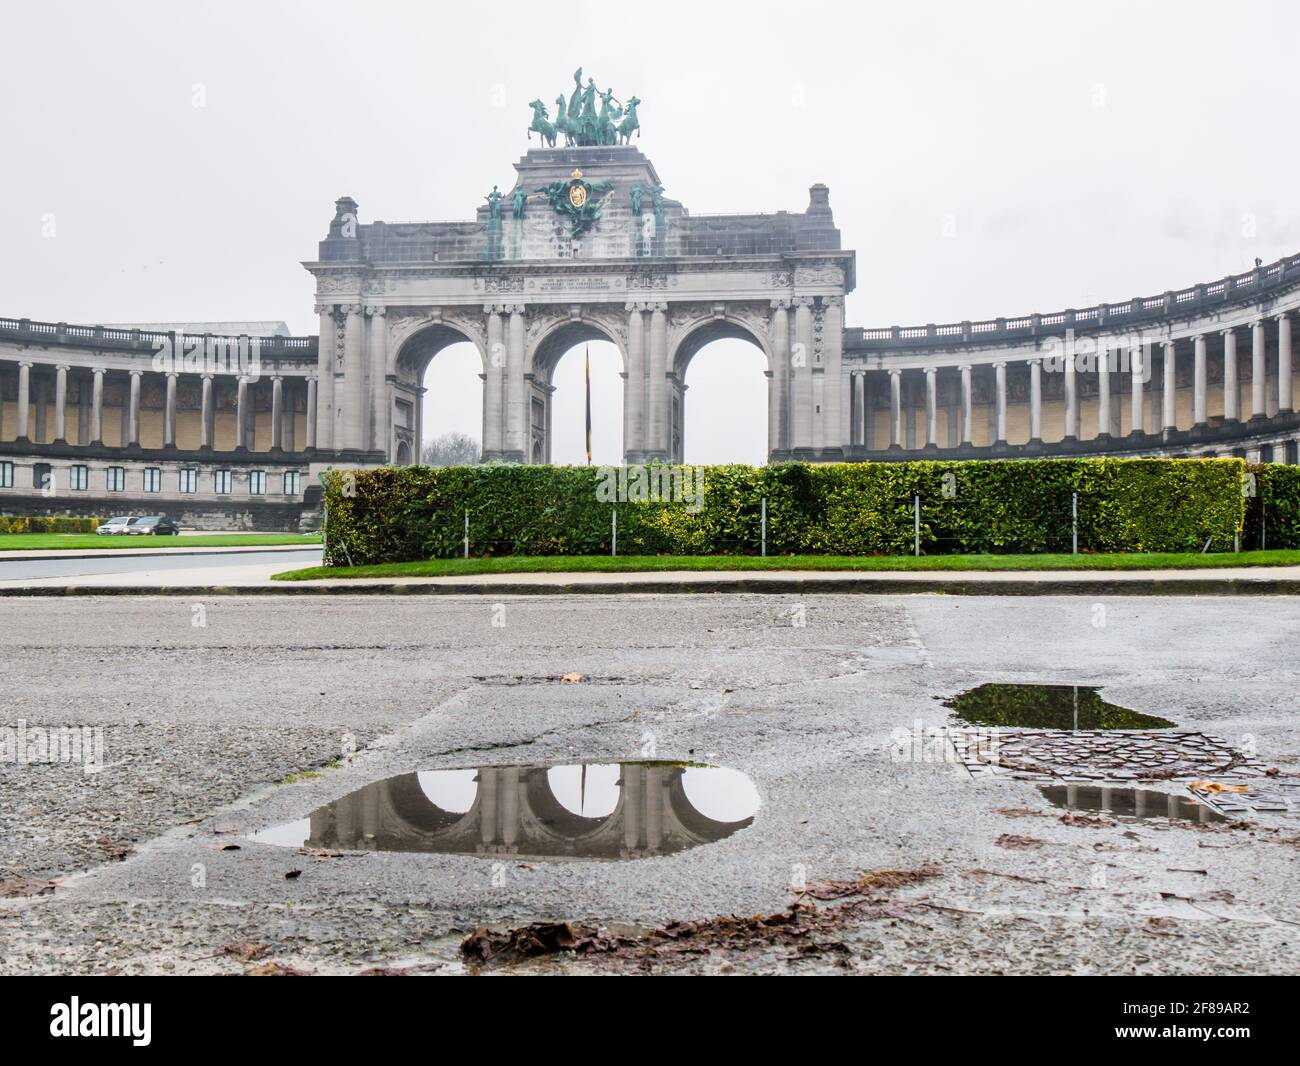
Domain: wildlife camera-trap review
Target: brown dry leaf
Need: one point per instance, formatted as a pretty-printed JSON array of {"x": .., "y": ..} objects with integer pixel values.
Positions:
[
  {"x": 1161, "y": 923},
  {"x": 1215, "y": 787},
  {"x": 572, "y": 678},
  {"x": 223, "y": 847},
  {"x": 275, "y": 969},
  {"x": 244, "y": 950},
  {"x": 1010, "y": 840},
  {"x": 1021, "y": 812},
  {"x": 1084, "y": 821},
  {"x": 878, "y": 880},
  {"x": 24, "y": 887},
  {"x": 321, "y": 853}
]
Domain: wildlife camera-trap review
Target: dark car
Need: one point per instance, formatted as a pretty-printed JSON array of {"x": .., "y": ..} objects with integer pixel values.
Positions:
[{"x": 159, "y": 525}]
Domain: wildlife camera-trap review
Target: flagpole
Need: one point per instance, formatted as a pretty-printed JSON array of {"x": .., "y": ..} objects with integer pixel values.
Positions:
[{"x": 587, "y": 374}]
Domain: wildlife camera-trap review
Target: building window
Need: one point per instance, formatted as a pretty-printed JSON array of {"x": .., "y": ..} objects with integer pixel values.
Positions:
[
  {"x": 257, "y": 482},
  {"x": 152, "y": 479},
  {"x": 115, "y": 479},
  {"x": 221, "y": 482},
  {"x": 292, "y": 482},
  {"x": 6, "y": 475},
  {"x": 79, "y": 477},
  {"x": 188, "y": 480},
  {"x": 43, "y": 477}
]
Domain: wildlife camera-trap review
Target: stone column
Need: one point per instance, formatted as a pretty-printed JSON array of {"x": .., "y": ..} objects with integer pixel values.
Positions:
[
  {"x": 39, "y": 403},
  {"x": 1071, "y": 399},
  {"x": 354, "y": 385},
  {"x": 1231, "y": 389},
  {"x": 657, "y": 443},
  {"x": 1137, "y": 367},
  {"x": 381, "y": 405},
  {"x": 1000, "y": 381},
  {"x": 967, "y": 406},
  {"x": 781, "y": 373},
  {"x": 311, "y": 407},
  {"x": 1200, "y": 387},
  {"x": 326, "y": 358},
  {"x": 895, "y": 408},
  {"x": 1258, "y": 375},
  {"x": 97, "y": 407},
  {"x": 169, "y": 414},
  {"x": 206, "y": 416},
  {"x": 61, "y": 404},
  {"x": 1284, "y": 390},
  {"x": 931, "y": 407},
  {"x": 634, "y": 388},
  {"x": 133, "y": 419},
  {"x": 516, "y": 405},
  {"x": 289, "y": 431},
  {"x": 803, "y": 384},
  {"x": 242, "y": 413},
  {"x": 1103, "y": 393},
  {"x": 868, "y": 428},
  {"x": 1035, "y": 400},
  {"x": 24, "y": 398},
  {"x": 277, "y": 413},
  {"x": 1169, "y": 415}
]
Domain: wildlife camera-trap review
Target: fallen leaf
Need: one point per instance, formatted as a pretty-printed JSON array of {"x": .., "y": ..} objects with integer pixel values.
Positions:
[
  {"x": 290, "y": 875},
  {"x": 572, "y": 678},
  {"x": 1010, "y": 840},
  {"x": 244, "y": 950},
  {"x": 223, "y": 847},
  {"x": 275, "y": 969},
  {"x": 24, "y": 887},
  {"x": 1214, "y": 787}
]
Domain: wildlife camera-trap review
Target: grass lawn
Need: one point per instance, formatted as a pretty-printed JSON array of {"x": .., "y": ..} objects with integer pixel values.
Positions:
[
  {"x": 530, "y": 564},
  {"x": 45, "y": 541}
]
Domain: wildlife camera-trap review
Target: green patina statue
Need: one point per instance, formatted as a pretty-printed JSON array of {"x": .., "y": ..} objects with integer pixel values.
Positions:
[
  {"x": 581, "y": 123},
  {"x": 519, "y": 199},
  {"x": 578, "y": 200}
]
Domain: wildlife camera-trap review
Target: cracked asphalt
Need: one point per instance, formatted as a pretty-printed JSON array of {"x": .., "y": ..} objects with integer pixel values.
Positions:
[{"x": 208, "y": 729}]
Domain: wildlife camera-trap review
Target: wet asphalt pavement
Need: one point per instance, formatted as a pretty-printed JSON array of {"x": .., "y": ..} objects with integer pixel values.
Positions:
[
  {"x": 212, "y": 711},
  {"x": 141, "y": 561}
]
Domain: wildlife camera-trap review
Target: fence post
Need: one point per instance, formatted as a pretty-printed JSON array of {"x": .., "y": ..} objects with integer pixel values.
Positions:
[
  {"x": 613, "y": 532},
  {"x": 1074, "y": 524},
  {"x": 466, "y": 532},
  {"x": 762, "y": 543},
  {"x": 916, "y": 525}
]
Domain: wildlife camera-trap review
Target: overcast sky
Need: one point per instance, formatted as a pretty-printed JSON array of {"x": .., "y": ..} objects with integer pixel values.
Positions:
[{"x": 983, "y": 159}]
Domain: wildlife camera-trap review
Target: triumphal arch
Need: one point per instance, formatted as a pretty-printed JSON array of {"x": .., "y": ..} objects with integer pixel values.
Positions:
[{"x": 585, "y": 244}]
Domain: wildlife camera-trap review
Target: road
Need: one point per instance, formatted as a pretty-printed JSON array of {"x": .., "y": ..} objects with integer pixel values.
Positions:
[
  {"x": 206, "y": 705},
  {"x": 148, "y": 567}
]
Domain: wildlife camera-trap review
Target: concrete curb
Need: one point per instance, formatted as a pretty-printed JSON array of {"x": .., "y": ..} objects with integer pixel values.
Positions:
[{"x": 1154, "y": 586}]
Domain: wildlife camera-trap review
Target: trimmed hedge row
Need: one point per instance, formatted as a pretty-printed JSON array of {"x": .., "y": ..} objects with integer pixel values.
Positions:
[
  {"x": 399, "y": 514},
  {"x": 1273, "y": 513},
  {"x": 47, "y": 524}
]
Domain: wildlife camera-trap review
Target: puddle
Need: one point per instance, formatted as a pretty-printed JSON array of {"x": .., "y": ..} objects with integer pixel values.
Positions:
[
  {"x": 1129, "y": 804},
  {"x": 582, "y": 811},
  {"x": 1047, "y": 707}
]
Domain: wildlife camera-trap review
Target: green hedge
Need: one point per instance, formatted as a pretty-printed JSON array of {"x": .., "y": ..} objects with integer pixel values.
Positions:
[
  {"x": 47, "y": 524},
  {"x": 1273, "y": 513},
  {"x": 399, "y": 514}
]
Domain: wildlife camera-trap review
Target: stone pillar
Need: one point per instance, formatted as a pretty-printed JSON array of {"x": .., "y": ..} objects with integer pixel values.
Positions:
[
  {"x": 1035, "y": 400},
  {"x": 803, "y": 383},
  {"x": 1103, "y": 393},
  {"x": 242, "y": 413},
  {"x": 133, "y": 419},
  {"x": 1169, "y": 397},
  {"x": 781, "y": 414},
  {"x": 1200, "y": 386},
  {"x": 61, "y": 404},
  {"x": 634, "y": 388},
  {"x": 277, "y": 413},
  {"x": 1000, "y": 381},
  {"x": 868, "y": 427},
  {"x": 97, "y": 406},
  {"x": 895, "y": 408},
  {"x": 967, "y": 406},
  {"x": 289, "y": 431},
  {"x": 311, "y": 407},
  {"x": 1284, "y": 390},
  {"x": 1071, "y": 399},
  {"x": 931, "y": 407},
  {"x": 1258, "y": 375},
  {"x": 381, "y": 405},
  {"x": 39, "y": 402},
  {"x": 1137, "y": 367},
  {"x": 24, "y": 398},
  {"x": 169, "y": 414},
  {"x": 657, "y": 443},
  {"x": 516, "y": 406},
  {"x": 1231, "y": 388},
  {"x": 354, "y": 386},
  {"x": 206, "y": 416},
  {"x": 326, "y": 358}
]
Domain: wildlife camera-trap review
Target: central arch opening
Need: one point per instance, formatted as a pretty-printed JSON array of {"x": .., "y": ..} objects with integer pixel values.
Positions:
[
  {"x": 558, "y": 398},
  {"x": 438, "y": 400}
]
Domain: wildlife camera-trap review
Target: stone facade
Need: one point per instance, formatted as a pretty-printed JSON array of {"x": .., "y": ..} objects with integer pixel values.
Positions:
[{"x": 1207, "y": 370}]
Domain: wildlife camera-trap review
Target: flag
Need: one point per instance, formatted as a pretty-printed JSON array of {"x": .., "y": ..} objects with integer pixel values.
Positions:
[{"x": 587, "y": 372}]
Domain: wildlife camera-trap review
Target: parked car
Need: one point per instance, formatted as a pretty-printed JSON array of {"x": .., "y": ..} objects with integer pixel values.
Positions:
[
  {"x": 159, "y": 525},
  {"x": 115, "y": 525}
]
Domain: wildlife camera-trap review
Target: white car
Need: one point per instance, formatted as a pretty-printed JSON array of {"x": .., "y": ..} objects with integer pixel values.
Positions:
[{"x": 115, "y": 525}]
